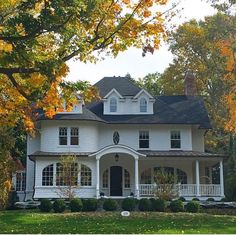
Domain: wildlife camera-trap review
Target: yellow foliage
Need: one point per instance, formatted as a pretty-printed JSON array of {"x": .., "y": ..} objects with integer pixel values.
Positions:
[{"x": 4, "y": 46}]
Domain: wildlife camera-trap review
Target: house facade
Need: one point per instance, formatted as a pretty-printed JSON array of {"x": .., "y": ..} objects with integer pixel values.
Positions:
[{"x": 121, "y": 141}]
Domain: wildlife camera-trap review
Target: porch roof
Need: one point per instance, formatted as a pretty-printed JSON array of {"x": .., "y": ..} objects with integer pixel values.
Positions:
[
  {"x": 180, "y": 153},
  {"x": 56, "y": 154}
]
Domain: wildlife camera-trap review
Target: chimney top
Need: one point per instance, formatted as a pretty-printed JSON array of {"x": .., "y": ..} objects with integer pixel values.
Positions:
[{"x": 189, "y": 84}]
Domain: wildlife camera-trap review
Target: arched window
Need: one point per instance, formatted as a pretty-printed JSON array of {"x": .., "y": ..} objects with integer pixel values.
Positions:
[
  {"x": 105, "y": 179},
  {"x": 67, "y": 174},
  {"x": 181, "y": 177},
  {"x": 146, "y": 177},
  {"x": 143, "y": 105},
  {"x": 47, "y": 176},
  {"x": 127, "y": 179},
  {"x": 85, "y": 176},
  {"x": 113, "y": 105}
]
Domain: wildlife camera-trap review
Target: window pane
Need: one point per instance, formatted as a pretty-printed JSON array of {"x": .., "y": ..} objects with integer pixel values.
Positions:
[
  {"x": 63, "y": 136},
  {"x": 127, "y": 179},
  {"x": 20, "y": 181},
  {"x": 105, "y": 179},
  {"x": 143, "y": 139},
  {"x": 67, "y": 175},
  {"x": 113, "y": 105},
  {"x": 181, "y": 177},
  {"x": 175, "y": 140},
  {"x": 86, "y": 176},
  {"x": 74, "y": 136},
  {"x": 143, "y": 105},
  {"x": 47, "y": 176},
  {"x": 146, "y": 176}
]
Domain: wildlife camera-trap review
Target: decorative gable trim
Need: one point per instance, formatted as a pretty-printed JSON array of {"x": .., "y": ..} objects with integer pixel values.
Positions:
[
  {"x": 151, "y": 98},
  {"x": 113, "y": 91}
]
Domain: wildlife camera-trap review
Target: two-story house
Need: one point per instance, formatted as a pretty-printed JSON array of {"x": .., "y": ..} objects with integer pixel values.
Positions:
[{"x": 121, "y": 140}]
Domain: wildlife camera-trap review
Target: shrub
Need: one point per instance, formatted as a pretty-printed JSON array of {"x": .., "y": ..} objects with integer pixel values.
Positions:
[
  {"x": 182, "y": 199},
  {"x": 177, "y": 206},
  {"x": 224, "y": 199},
  {"x": 76, "y": 205},
  {"x": 128, "y": 204},
  {"x": 193, "y": 207},
  {"x": 59, "y": 206},
  {"x": 90, "y": 204},
  {"x": 195, "y": 199},
  {"x": 210, "y": 199},
  {"x": 145, "y": 205},
  {"x": 110, "y": 205},
  {"x": 45, "y": 205},
  {"x": 158, "y": 204}
]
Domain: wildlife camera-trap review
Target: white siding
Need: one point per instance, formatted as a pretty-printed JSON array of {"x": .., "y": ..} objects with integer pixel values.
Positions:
[
  {"x": 159, "y": 136},
  {"x": 198, "y": 139},
  {"x": 128, "y": 105},
  {"x": 88, "y": 136}
]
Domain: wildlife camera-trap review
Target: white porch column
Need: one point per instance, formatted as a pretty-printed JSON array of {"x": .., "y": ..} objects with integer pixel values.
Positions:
[
  {"x": 136, "y": 178},
  {"x": 98, "y": 179},
  {"x": 221, "y": 179},
  {"x": 197, "y": 179}
]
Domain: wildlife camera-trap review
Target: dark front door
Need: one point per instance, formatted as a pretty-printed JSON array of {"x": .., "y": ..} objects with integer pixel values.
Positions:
[{"x": 116, "y": 181}]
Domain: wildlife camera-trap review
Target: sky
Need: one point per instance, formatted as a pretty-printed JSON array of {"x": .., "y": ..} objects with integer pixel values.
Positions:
[{"x": 131, "y": 61}]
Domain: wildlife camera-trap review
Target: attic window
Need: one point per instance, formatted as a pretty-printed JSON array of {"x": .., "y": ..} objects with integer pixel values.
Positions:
[
  {"x": 143, "y": 105},
  {"x": 113, "y": 105}
]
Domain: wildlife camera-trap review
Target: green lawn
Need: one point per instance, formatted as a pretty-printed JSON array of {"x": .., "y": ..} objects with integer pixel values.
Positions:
[{"x": 104, "y": 222}]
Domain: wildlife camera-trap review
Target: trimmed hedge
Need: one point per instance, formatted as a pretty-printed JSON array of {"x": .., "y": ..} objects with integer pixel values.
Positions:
[
  {"x": 182, "y": 199},
  {"x": 45, "y": 205},
  {"x": 195, "y": 199},
  {"x": 177, "y": 206},
  {"x": 76, "y": 205},
  {"x": 145, "y": 205},
  {"x": 210, "y": 199},
  {"x": 59, "y": 206},
  {"x": 90, "y": 204},
  {"x": 128, "y": 204},
  {"x": 193, "y": 207},
  {"x": 158, "y": 204},
  {"x": 110, "y": 205}
]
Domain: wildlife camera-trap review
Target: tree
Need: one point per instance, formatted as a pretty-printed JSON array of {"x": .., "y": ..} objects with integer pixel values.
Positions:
[
  {"x": 37, "y": 38},
  {"x": 67, "y": 176},
  {"x": 195, "y": 47},
  {"x": 7, "y": 166}
]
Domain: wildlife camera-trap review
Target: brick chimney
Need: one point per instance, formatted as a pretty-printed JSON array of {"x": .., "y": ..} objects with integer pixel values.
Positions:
[{"x": 189, "y": 84}]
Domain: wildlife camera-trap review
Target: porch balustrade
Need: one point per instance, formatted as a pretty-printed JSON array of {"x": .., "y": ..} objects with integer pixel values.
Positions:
[{"x": 185, "y": 190}]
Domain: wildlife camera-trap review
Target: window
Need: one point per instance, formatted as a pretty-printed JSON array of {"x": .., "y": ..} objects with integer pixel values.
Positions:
[
  {"x": 105, "y": 179},
  {"x": 47, "y": 176},
  {"x": 143, "y": 139},
  {"x": 86, "y": 176},
  {"x": 175, "y": 141},
  {"x": 74, "y": 136},
  {"x": 113, "y": 105},
  {"x": 20, "y": 181},
  {"x": 146, "y": 177},
  {"x": 127, "y": 179},
  {"x": 67, "y": 175},
  {"x": 181, "y": 177},
  {"x": 116, "y": 137},
  {"x": 143, "y": 105},
  {"x": 63, "y": 135}
]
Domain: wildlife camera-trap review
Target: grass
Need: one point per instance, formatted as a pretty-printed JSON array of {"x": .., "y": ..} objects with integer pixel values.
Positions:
[{"x": 113, "y": 222}]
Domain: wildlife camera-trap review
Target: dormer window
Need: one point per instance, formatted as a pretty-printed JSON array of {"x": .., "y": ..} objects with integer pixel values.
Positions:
[
  {"x": 113, "y": 105},
  {"x": 143, "y": 105}
]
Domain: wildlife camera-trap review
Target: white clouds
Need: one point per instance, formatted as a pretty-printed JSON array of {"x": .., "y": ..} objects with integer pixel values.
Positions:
[{"x": 132, "y": 61}]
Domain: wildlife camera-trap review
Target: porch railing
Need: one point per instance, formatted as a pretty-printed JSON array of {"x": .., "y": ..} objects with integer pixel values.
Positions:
[{"x": 185, "y": 190}]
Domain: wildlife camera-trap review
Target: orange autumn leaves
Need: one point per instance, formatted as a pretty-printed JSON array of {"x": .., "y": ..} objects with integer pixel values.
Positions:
[{"x": 228, "y": 51}]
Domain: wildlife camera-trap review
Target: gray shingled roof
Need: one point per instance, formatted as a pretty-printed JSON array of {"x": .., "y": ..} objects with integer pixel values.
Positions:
[
  {"x": 122, "y": 84},
  {"x": 179, "y": 153},
  {"x": 167, "y": 109}
]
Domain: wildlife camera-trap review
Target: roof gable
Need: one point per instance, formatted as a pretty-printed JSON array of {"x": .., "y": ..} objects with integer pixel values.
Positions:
[{"x": 123, "y": 85}]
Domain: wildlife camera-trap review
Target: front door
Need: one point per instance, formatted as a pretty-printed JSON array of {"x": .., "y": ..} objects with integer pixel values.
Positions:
[{"x": 116, "y": 181}]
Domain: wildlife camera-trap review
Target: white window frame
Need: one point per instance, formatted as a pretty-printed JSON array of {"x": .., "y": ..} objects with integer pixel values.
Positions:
[
  {"x": 175, "y": 139},
  {"x": 68, "y": 137},
  {"x": 113, "y": 105},
  {"x": 22, "y": 182},
  {"x": 143, "y": 105},
  {"x": 144, "y": 138}
]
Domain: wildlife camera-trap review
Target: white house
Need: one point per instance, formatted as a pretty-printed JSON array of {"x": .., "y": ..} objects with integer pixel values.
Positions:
[{"x": 121, "y": 140}]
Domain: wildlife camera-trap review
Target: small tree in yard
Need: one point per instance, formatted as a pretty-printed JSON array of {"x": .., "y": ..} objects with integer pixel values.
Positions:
[
  {"x": 165, "y": 185},
  {"x": 67, "y": 176}
]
